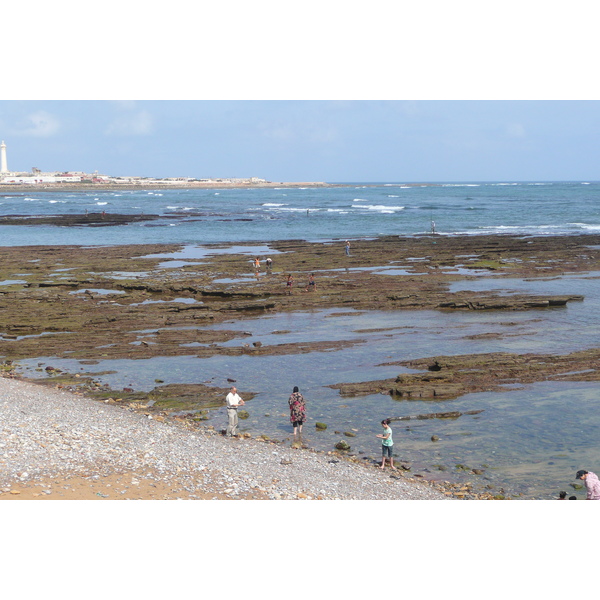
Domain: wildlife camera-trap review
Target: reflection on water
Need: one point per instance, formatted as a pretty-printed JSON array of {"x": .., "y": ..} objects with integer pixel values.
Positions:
[
  {"x": 175, "y": 300},
  {"x": 97, "y": 291},
  {"x": 196, "y": 252},
  {"x": 528, "y": 440}
]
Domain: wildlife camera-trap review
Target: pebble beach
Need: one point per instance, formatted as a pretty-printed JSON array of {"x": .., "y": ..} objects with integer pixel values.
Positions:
[{"x": 56, "y": 445}]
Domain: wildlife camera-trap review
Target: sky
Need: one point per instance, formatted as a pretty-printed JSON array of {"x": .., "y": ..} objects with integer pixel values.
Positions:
[
  {"x": 322, "y": 91},
  {"x": 308, "y": 140}
]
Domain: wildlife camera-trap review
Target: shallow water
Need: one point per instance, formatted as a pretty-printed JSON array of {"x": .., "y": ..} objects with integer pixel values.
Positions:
[{"x": 529, "y": 440}]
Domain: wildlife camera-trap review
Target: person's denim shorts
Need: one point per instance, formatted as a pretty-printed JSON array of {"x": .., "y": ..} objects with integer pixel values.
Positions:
[{"x": 386, "y": 450}]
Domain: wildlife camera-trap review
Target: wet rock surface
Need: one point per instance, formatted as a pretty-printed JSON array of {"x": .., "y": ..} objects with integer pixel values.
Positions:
[
  {"x": 86, "y": 220},
  {"x": 446, "y": 377},
  {"x": 140, "y": 301}
]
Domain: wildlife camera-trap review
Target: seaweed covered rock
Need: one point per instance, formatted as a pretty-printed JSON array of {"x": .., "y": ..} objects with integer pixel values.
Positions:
[{"x": 342, "y": 445}]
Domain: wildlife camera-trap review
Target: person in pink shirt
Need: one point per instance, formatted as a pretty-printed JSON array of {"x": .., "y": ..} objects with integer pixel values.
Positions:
[{"x": 592, "y": 484}]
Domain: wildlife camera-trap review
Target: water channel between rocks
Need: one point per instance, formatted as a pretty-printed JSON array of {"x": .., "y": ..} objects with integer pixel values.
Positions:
[{"x": 529, "y": 440}]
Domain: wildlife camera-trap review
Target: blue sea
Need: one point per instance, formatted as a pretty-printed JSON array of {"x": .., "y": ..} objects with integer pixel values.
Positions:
[
  {"x": 529, "y": 440},
  {"x": 354, "y": 210}
]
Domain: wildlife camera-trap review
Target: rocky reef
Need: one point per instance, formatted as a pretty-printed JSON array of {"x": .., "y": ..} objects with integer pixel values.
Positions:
[
  {"x": 446, "y": 377},
  {"x": 94, "y": 303}
]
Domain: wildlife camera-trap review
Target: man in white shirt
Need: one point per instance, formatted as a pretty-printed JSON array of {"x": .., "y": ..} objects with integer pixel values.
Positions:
[{"x": 233, "y": 401}]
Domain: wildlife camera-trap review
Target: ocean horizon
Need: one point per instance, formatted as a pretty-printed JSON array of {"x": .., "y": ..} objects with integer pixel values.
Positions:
[{"x": 353, "y": 210}]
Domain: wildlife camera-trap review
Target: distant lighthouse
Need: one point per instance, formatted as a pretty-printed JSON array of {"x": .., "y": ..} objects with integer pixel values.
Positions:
[{"x": 3, "y": 165}]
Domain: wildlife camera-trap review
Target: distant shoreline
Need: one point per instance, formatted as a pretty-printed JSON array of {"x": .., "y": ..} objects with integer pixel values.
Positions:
[
  {"x": 49, "y": 187},
  {"x": 60, "y": 187},
  {"x": 6, "y": 188}
]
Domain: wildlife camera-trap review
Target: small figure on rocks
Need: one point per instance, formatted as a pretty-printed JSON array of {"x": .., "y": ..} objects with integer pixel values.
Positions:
[
  {"x": 257, "y": 264},
  {"x": 269, "y": 263},
  {"x": 289, "y": 284},
  {"x": 387, "y": 444},
  {"x": 592, "y": 484},
  {"x": 347, "y": 248},
  {"x": 312, "y": 286},
  {"x": 233, "y": 402},
  {"x": 297, "y": 410}
]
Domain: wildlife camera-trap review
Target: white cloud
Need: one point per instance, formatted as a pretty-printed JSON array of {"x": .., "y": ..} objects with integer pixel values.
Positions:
[
  {"x": 515, "y": 130},
  {"x": 309, "y": 133},
  {"x": 40, "y": 124},
  {"x": 124, "y": 104},
  {"x": 279, "y": 133},
  {"x": 132, "y": 124},
  {"x": 323, "y": 136}
]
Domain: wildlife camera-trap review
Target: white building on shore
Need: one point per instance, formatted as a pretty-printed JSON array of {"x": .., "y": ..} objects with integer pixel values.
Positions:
[
  {"x": 37, "y": 177},
  {"x": 3, "y": 162}
]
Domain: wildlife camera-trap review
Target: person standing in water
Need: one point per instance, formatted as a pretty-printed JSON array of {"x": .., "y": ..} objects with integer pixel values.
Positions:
[
  {"x": 297, "y": 409},
  {"x": 233, "y": 401},
  {"x": 387, "y": 444}
]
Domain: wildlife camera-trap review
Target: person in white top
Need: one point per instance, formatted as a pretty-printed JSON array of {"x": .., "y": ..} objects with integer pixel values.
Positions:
[{"x": 233, "y": 402}]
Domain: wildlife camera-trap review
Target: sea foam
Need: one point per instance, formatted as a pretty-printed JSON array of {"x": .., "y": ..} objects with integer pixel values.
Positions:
[{"x": 382, "y": 207}]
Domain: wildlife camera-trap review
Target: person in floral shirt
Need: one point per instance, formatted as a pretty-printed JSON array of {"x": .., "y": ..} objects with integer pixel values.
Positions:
[{"x": 297, "y": 410}]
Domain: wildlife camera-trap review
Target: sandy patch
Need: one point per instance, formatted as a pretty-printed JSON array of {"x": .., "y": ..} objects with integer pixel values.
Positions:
[{"x": 123, "y": 486}]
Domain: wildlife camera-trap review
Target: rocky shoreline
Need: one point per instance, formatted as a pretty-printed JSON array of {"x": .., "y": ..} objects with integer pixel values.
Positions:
[
  {"x": 88, "y": 303},
  {"x": 58, "y": 446},
  {"x": 114, "y": 302}
]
